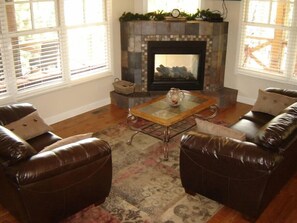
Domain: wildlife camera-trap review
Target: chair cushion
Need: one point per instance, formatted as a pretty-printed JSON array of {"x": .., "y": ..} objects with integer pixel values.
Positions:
[
  {"x": 67, "y": 141},
  {"x": 250, "y": 128},
  {"x": 258, "y": 117},
  {"x": 46, "y": 139},
  {"x": 272, "y": 103},
  {"x": 218, "y": 130},
  {"x": 12, "y": 148},
  {"x": 29, "y": 126}
]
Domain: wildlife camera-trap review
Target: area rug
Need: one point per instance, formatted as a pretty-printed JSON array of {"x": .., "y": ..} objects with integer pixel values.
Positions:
[{"x": 145, "y": 188}]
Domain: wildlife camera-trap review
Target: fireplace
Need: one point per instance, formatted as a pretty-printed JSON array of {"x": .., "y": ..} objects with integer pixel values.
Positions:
[
  {"x": 177, "y": 64},
  {"x": 136, "y": 36},
  {"x": 138, "y": 63}
]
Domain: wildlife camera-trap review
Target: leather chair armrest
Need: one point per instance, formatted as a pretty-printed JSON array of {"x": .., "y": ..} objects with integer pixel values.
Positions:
[
  {"x": 240, "y": 153},
  {"x": 60, "y": 160}
]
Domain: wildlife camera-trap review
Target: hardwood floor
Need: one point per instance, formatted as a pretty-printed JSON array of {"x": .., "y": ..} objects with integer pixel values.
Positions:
[
  {"x": 283, "y": 209},
  {"x": 92, "y": 121}
]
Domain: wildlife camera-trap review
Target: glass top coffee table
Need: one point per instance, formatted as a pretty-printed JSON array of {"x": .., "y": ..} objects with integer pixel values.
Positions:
[{"x": 160, "y": 112}]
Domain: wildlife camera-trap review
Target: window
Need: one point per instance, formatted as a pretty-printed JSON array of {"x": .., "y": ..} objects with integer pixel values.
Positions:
[
  {"x": 49, "y": 42},
  {"x": 189, "y": 6},
  {"x": 268, "y": 46}
]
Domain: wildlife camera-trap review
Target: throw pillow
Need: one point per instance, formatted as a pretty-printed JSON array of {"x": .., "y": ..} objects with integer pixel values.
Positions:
[
  {"x": 12, "y": 148},
  {"x": 29, "y": 126},
  {"x": 272, "y": 103},
  {"x": 67, "y": 141},
  {"x": 218, "y": 130}
]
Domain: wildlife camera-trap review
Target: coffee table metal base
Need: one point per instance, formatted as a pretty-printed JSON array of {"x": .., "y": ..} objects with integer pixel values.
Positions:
[{"x": 166, "y": 135}]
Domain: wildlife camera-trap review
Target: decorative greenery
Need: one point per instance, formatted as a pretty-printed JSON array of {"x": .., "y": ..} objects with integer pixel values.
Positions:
[
  {"x": 161, "y": 15},
  {"x": 157, "y": 16},
  {"x": 209, "y": 15}
]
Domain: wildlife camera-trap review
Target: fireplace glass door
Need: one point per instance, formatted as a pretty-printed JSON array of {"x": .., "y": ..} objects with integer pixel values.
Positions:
[
  {"x": 176, "y": 67},
  {"x": 176, "y": 64}
]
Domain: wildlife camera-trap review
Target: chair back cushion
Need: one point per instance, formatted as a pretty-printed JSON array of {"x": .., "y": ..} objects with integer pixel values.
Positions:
[{"x": 11, "y": 113}]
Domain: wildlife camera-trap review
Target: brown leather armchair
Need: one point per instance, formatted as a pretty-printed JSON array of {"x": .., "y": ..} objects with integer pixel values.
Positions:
[
  {"x": 244, "y": 175},
  {"x": 48, "y": 186}
]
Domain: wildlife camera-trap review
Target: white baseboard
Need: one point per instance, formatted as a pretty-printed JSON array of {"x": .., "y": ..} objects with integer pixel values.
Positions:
[
  {"x": 77, "y": 111},
  {"x": 249, "y": 101}
]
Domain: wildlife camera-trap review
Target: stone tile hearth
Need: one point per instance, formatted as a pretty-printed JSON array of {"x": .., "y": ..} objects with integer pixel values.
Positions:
[{"x": 225, "y": 97}]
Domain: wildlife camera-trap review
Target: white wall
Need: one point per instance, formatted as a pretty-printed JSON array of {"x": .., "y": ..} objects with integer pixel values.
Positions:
[
  {"x": 140, "y": 6},
  {"x": 65, "y": 103},
  {"x": 247, "y": 86}
]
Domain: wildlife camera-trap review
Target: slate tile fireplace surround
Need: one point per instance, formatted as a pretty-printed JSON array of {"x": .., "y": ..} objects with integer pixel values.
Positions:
[{"x": 136, "y": 36}]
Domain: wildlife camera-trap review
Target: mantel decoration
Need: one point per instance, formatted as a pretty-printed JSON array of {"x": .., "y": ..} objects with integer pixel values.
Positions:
[{"x": 205, "y": 15}]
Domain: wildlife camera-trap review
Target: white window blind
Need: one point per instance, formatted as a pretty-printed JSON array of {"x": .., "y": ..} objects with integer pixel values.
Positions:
[
  {"x": 87, "y": 34},
  {"x": 268, "y": 43},
  {"x": 49, "y": 42},
  {"x": 2, "y": 80}
]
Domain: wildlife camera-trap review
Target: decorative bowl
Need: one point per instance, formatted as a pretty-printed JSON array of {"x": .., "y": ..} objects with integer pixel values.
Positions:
[{"x": 174, "y": 97}]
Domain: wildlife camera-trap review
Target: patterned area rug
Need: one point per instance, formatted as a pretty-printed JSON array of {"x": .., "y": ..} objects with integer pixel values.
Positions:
[{"x": 145, "y": 188}]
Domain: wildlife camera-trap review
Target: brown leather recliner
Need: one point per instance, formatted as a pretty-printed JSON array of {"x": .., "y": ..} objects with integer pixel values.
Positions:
[
  {"x": 244, "y": 175},
  {"x": 49, "y": 186}
]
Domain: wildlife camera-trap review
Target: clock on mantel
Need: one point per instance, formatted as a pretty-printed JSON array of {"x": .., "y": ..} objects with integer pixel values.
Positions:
[
  {"x": 175, "y": 13},
  {"x": 175, "y": 16}
]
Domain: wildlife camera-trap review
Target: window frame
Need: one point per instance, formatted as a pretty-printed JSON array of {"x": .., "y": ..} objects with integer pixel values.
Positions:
[
  {"x": 287, "y": 78},
  {"x": 67, "y": 80}
]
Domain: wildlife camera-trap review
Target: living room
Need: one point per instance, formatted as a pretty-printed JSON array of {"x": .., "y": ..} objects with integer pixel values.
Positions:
[{"x": 93, "y": 93}]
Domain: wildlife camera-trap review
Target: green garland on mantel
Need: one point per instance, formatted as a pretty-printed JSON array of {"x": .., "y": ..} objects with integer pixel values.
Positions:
[{"x": 206, "y": 15}]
